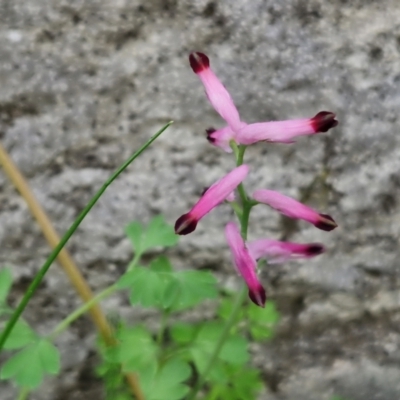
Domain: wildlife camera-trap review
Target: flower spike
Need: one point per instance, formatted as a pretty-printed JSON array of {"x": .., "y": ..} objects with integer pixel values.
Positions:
[
  {"x": 294, "y": 209},
  {"x": 286, "y": 131},
  {"x": 212, "y": 197},
  {"x": 216, "y": 92},
  {"x": 277, "y": 252},
  {"x": 245, "y": 264}
]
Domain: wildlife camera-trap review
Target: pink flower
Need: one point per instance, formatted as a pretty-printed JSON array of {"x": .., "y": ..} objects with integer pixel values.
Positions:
[
  {"x": 245, "y": 264},
  {"x": 221, "y": 138},
  {"x": 241, "y": 132},
  {"x": 216, "y": 92},
  {"x": 276, "y": 251},
  {"x": 212, "y": 197},
  {"x": 286, "y": 131},
  {"x": 294, "y": 209}
]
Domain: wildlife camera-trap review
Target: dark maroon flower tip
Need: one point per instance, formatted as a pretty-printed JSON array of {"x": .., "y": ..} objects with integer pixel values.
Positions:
[
  {"x": 185, "y": 224},
  {"x": 258, "y": 296},
  {"x": 314, "y": 249},
  {"x": 199, "y": 62},
  {"x": 205, "y": 190},
  {"x": 326, "y": 223},
  {"x": 324, "y": 121},
  {"x": 209, "y": 132}
]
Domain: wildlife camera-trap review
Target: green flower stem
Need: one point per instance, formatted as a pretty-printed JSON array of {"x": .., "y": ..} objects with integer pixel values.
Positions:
[
  {"x": 235, "y": 148},
  {"x": 23, "y": 394},
  {"x": 45, "y": 267},
  {"x": 240, "y": 155},
  {"x": 237, "y": 209},
  {"x": 247, "y": 203},
  {"x": 134, "y": 262},
  {"x": 164, "y": 323},
  {"x": 244, "y": 223},
  {"x": 64, "y": 324}
]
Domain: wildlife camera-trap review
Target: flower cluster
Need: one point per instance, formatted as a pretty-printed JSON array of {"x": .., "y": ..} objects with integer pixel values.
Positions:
[{"x": 239, "y": 133}]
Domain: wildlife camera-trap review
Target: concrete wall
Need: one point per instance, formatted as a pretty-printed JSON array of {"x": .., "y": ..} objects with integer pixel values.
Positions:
[{"x": 85, "y": 83}]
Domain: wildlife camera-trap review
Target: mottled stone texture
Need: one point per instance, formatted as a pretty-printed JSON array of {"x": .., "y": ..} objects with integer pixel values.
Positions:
[{"x": 84, "y": 83}]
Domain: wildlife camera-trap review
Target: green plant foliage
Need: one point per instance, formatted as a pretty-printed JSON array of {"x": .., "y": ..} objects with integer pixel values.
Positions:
[
  {"x": 244, "y": 384},
  {"x": 28, "y": 366},
  {"x": 37, "y": 357},
  {"x": 146, "y": 286},
  {"x": 114, "y": 381},
  {"x": 167, "y": 383},
  {"x": 228, "y": 378},
  {"x": 262, "y": 321},
  {"x": 136, "y": 350},
  {"x": 161, "y": 287},
  {"x": 226, "y": 306},
  {"x": 234, "y": 351},
  {"x": 5, "y": 286},
  {"x": 157, "y": 234},
  {"x": 192, "y": 288},
  {"x": 21, "y": 336},
  {"x": 183, "y": 333}
]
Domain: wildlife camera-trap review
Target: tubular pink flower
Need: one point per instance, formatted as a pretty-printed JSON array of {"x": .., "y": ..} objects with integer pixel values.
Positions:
[
  {"x": 294, "y": 209},
  {"x": 276, "y": 251},
  {"x": 212, "y": 197},
  {"x": 221, "y": 137},
  {"x": 245, "y": 264},
  {"x": 286, "y": 131},
  {"x": 216, "y": 92}
]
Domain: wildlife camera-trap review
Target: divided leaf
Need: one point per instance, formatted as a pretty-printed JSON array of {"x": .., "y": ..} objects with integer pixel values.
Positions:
[
  {"x": 263, "y": 320},
  {"x": 244, "y": 384},
  {"x": 146, "y": 286},
  {"x": 28, "y": 367},
  {"x": 136, "y": 349},
  {"x": 194, "y": 287},
  {"x": 134, "y": 233},
  {"x": 157, "y": 234},
  {"x": 159, "y": 286},
  {"x": 168, "y": 382},
  {"x": 21, "y": 335}
]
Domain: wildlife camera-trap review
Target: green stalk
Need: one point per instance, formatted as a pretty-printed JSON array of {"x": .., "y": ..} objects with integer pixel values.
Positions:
[
  {"x": 244, "y": 223},
  {"x": 133, "y": 263},
  {"x": 163, "y": 326},
  {"x": 65, "y": 323},
  {"x": 240, "y": 155},
  {"x": 45, "y": 267},
  {"x": 23, "y": 394}
]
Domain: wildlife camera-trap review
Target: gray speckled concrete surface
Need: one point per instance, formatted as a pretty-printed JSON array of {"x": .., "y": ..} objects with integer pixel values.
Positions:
[{"x": 84, "y": 83}]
